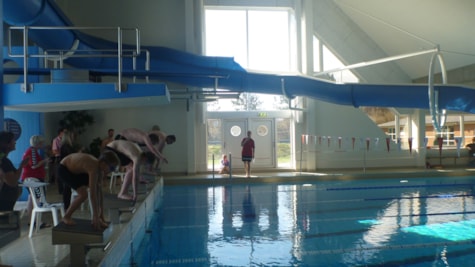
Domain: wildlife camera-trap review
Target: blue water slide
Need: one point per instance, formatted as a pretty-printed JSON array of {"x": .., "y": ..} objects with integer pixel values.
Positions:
[{"x": 172, "y": 65}]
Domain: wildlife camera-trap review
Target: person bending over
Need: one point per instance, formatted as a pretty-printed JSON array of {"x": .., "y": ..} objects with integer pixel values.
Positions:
[
  {"x": 163, "y": 139},
  {"x": 142, "y": 139},
  {"x": 132, "y": 157},
  {"x": 82, "y": 171}
]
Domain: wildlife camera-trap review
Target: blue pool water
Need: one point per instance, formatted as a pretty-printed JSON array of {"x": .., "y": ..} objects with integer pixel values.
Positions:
[{"x": 379, "y": 222}]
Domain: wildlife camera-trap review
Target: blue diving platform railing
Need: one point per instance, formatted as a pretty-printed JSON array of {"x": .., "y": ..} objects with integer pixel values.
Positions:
[{"x": 60, "y": 55}]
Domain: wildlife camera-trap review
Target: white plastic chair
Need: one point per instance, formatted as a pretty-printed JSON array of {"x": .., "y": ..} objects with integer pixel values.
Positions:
[
  {"x": 114, "y": 176},
  {"x": 22, "y": 207},
  {"x": 40, "y": 205},
  {"x": 21, "y": 204}
]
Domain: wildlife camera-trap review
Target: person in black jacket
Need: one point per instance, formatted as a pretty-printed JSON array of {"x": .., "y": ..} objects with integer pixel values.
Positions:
[{"x": 9, "y": 175}]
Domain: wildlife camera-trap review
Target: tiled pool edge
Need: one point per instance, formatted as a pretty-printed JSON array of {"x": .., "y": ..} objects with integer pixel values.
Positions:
[
  {"x": 291, "y": 177},
  {"x": 125, "y": 244}
]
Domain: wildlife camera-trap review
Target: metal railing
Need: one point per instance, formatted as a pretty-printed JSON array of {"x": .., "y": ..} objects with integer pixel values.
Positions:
[{"x": 58, "y": 56}]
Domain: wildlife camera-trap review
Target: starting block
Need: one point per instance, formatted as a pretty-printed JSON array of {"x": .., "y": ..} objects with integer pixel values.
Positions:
[
  {"x": 117, "y": 207},
  {"x": 114, "y": 213},
  {"x": 79, "y": 237}
]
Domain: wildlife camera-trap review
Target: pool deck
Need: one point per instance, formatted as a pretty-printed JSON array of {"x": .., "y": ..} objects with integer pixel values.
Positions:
[
  {"x": 39, "y": 250},
  {"x": 284, "y": 176}
]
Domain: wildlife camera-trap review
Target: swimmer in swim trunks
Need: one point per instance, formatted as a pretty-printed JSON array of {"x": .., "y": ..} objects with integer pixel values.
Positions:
[
  {"x": 143, "y": 139},
  {"x": 132, "y": 157},
  {"x": 82, "y": 171},
  {"x": 163, "y": 139}
]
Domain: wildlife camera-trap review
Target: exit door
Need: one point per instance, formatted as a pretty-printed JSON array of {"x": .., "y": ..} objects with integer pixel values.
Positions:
[{"x": 262, "y": 133}]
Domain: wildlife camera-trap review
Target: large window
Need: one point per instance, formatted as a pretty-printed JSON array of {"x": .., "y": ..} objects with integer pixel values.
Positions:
[
  {"x": 259, "y": 40},
  {"x": 324, "y": 60},
  {"x": 215, "y": 143}
]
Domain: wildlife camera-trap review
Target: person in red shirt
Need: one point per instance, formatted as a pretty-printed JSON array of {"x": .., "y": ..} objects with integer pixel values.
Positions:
[
  {"x": 35, "y": 167},
  {"x": 247, "y": 153}
]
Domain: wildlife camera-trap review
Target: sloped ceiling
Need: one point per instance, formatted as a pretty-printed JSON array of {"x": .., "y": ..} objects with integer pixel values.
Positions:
[{"x": 407, "y": 26}]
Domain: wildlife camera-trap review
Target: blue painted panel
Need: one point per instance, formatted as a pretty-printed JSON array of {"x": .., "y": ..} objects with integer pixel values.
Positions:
[
  {"x": 33, "y": 62},
  {"x": 71, "y": 92}
]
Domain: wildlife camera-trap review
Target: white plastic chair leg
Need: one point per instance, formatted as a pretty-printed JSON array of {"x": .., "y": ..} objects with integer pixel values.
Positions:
[
  {"x": 54, "y": 212},
  {"x": 112, "y": 182},
  {"x": 32, "y": 223},
  {"x": 38, "y": 221}
]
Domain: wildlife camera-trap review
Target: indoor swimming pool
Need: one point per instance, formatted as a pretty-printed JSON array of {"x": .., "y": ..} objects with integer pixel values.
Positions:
[{"x": 377, "y": 222}]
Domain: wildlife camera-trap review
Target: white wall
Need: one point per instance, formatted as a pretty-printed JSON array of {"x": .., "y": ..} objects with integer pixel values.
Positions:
[
  {"x": 350, "y": 42},
  {"x": 171, "y": 23},
  {"x": 172, "y": 119},
  {"x": 330, "y": 120},
  {"x": 168, "y": 23},
  {"x": 161, "y": 22}
]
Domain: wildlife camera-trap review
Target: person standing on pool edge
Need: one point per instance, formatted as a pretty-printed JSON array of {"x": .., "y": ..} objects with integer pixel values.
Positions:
[{"x": 247, "y": 152}]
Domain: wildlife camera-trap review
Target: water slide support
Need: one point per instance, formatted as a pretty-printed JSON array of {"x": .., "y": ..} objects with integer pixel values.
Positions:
[{"x": 438, "y": 115}]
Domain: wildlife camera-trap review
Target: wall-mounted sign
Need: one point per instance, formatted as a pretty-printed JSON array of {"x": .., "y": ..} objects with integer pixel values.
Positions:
[{"x": 13, "y": 126}]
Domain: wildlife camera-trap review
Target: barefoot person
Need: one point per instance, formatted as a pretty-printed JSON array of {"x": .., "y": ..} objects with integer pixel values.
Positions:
[
  {"x": 143, "y": 140},
  {"x": 163, "y": 140},
  {"x": 132, "y": 157},
  {"x": 82, "y": 171}
]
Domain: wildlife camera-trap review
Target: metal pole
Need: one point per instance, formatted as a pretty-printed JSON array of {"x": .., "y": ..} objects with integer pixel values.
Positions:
[
  {"x": 212, "y": 159},
  {"x": 301, "y": 152},
  {"x": 378, "y": 61},
  {"x": 364, "y": 160},
  {"x": 24, "y": 88},
  {"x": 119, "y": 59},
  {"x": 230, "y": 166}
]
